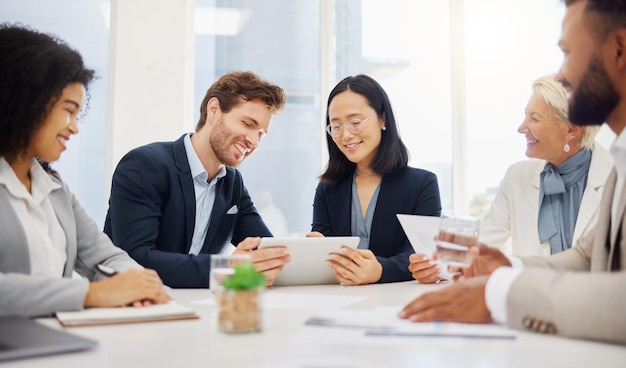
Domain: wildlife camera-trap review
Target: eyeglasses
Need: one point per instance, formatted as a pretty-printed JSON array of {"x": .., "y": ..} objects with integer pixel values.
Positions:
[{"x": 354, "y": 127}]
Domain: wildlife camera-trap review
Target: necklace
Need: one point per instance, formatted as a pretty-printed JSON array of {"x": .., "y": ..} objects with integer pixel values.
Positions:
[{"x": 361, "y": 174}]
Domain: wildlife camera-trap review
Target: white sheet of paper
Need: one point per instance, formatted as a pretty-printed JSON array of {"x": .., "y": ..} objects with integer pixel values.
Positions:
[
  {"x": 384, "y": 322},
  {"x": 358, "y": 338},
  {"x": 421, "y": 231}
]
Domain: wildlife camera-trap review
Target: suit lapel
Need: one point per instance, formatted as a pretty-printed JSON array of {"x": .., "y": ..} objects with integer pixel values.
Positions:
[
  {"x": 533, "y": 195},
  {"x": 65, "y": 216},
  {"x": 611, "y": 231},
  {"x": 186, "y": 187},
  {"x": 600, "y": 167},
  {"x": 588, "y": 208},
  {"x": 189, "y": 199},
  {"x": 620, "y": 216},
  {"x": 219, "y": 209},
  {"x": 616, "y": 224},
  {"x": 14, "y": 241},
  {"x": 343, "y": 208}
]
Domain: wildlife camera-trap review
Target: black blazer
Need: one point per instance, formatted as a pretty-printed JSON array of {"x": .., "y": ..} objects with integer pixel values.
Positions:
[
  {"x": 152, "y": 210},
  {"x": 407, "y": 191}
]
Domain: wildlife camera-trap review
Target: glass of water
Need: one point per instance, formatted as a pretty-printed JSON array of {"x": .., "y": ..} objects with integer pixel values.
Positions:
[
  {"x": 456, "y": 235},
  {"x": 222, "y": 267}
]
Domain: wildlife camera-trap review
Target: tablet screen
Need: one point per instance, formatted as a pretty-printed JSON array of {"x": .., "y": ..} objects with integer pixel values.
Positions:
[{"x": 308, "y": 258}]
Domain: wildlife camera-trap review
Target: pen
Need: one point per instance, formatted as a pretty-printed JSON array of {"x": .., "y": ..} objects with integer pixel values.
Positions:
[{"x": 105, "y": 270}]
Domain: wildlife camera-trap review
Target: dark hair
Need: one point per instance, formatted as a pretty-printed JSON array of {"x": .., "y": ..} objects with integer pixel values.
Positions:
[
  {"x": 392, "y": 153},
  {"x": 611, "y": 15},
  {"x": 35, "y": 68},
  {"x": 234, "y": 86}
]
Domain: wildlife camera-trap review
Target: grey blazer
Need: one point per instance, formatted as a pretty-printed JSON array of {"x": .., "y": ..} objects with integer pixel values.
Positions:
[
  {"x": 26, "y": 295},
  {"x": 583, "y": 293}
]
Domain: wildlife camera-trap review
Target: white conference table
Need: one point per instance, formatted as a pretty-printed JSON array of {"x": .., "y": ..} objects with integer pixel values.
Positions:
[{"x": 199, "y": 343}]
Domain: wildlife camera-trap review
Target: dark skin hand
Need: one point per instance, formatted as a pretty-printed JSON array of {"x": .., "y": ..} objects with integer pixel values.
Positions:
[
  {"x": 462, "y": 301},
  {"x": 486, "y": 260}
]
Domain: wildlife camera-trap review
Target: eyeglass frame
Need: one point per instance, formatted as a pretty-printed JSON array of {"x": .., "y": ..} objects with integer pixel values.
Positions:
[{"x": 349, "y": 126}]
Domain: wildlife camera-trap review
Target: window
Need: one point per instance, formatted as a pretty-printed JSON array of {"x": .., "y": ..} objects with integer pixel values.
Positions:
[
  {"x": 509, "y": 44},
  {"x": 404, "y": 44},
  {"x": 84, "y": 28},
  {"x": 279, "y": 41}
]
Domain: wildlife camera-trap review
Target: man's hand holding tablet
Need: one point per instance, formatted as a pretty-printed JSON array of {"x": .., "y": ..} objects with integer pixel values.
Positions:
[{"x": 269, "y": 261}]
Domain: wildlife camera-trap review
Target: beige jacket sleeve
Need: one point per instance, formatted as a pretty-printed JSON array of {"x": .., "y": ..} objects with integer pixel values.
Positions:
[{"x": 577, "y": 293}]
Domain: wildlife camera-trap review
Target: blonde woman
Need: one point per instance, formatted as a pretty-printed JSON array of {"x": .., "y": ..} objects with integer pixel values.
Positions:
[{"x": 546, "y": 203}]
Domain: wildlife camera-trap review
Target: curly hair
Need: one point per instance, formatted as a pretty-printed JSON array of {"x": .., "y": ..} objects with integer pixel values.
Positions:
[
  {"x": 230, "y": 88},
  {"x": 35, "y": 68}
]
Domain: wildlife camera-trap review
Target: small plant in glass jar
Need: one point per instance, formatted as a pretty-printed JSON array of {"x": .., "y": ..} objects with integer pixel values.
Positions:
[{"x": 240, "y": 300}]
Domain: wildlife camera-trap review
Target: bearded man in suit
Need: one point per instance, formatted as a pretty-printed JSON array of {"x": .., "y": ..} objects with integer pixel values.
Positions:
[{"x": 577, "y": 293}]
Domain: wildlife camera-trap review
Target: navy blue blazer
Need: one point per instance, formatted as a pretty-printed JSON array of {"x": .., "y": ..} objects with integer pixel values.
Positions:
[
  {"x": 152, "y": 210},
  {"x": 408, "y": 191}
]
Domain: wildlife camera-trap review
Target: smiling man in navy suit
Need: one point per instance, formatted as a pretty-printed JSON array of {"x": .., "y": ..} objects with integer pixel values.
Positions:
[{"x": 173, "y": 204}]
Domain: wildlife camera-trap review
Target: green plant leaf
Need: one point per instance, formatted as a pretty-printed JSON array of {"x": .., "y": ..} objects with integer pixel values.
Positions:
[{"x": 245, "y": 278}]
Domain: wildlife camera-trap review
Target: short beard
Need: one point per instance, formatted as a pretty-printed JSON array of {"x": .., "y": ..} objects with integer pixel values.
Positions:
[
  {"x": 220, "y": 144},
  {"x": 595, "y": 98}
]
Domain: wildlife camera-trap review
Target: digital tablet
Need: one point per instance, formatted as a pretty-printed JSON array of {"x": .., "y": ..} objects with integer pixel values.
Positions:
[{"x": 308, "y": 258}]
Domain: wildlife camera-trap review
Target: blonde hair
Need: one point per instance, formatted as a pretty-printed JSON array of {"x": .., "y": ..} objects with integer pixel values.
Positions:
[{"x": 553, "y": 93}]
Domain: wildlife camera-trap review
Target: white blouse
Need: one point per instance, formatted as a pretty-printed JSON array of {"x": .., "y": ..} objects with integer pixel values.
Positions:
[{"x": 45, "y": 236}]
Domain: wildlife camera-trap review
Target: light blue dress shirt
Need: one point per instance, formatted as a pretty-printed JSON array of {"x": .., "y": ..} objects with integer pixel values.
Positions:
[
  {"x": 360, "y": 226},
  {"x": 205, "y": 195}
]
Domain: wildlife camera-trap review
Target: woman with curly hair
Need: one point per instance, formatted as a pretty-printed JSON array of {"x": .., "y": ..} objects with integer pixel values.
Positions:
[{"x": 46, "y": 234}]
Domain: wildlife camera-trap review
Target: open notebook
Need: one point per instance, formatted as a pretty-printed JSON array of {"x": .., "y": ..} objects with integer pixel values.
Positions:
[
  {"x": 97, "y": 316},
  {"x": 21, "y": 338}
]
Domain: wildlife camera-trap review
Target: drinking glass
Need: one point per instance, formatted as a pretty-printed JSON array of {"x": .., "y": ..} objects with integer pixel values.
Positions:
[
  {"x": 456, "y": 235},
  {"x": 222, "y": 267}
]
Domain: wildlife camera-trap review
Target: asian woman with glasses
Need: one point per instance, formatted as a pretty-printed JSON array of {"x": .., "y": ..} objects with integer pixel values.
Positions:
[{"x": 367, "y": 182}]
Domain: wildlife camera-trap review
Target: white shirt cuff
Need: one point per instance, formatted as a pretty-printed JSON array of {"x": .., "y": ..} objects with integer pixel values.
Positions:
[
  {"x": 516, "y": 262},
  {"x": 497, "y": 291}
]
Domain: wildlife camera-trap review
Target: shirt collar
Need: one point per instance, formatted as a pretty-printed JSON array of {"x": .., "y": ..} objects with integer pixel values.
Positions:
[
  {"x": 618, "y": 151},
  {"x": 42, "y": 182},
  {"x": 195, "y": 165}
]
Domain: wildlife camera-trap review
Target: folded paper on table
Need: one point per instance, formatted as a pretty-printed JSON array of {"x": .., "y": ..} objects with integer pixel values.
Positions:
[
  {"x": 384, "y": 321},
  {"x": 98, "y": 316},
  {"x": 421, "y": 232},
  {"x": 447, "y": 329}
]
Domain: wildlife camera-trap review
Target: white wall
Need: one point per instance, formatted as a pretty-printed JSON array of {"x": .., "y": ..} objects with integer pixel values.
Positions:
[{"x": 151, "y": 64}]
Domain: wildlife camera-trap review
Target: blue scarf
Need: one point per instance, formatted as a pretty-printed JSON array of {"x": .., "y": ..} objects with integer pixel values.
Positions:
[{"x": 560, "y": 193}]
